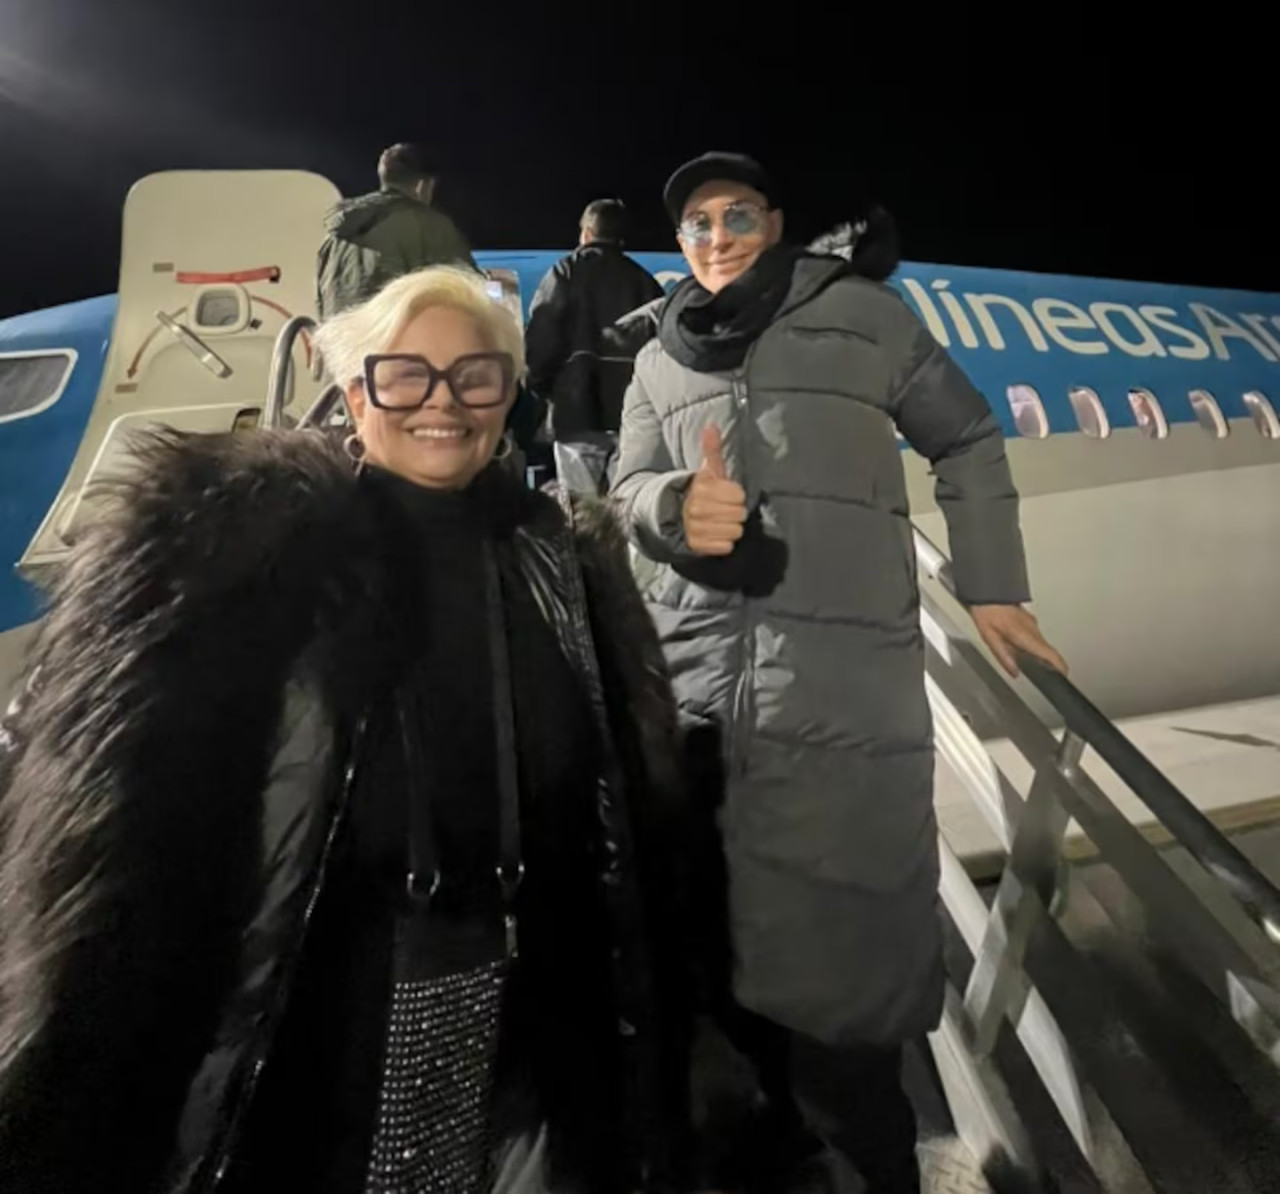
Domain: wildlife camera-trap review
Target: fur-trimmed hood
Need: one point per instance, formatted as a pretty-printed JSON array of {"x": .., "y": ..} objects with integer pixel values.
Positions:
[
  {"x": 198, "y": 681},
  {"x": 869, "y": 244}
]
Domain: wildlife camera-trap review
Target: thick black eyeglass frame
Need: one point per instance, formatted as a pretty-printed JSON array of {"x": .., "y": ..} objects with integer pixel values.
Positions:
[{"x": 436, "y": 376}]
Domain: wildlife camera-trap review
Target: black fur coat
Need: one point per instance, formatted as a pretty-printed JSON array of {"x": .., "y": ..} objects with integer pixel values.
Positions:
[{"x": 173, "y": 781}]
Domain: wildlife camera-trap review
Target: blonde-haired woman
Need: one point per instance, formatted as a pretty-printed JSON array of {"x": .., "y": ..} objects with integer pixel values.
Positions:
[{"x": 341, "y": 816}]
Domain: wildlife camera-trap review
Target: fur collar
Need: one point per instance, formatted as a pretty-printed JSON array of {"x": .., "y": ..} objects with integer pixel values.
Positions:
[{"x": 217, "y": 556}]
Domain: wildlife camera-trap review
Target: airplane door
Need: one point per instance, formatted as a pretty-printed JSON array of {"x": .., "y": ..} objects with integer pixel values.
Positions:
[{"x": 212, "y": 265}]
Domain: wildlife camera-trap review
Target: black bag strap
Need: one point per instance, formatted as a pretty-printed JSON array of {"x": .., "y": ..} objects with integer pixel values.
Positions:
[
  {"x": 424, "y": 875},
  {"x": 510, "y": 869}
]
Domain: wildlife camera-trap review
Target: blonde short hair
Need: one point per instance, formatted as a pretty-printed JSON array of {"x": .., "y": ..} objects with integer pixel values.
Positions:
[{"x": 346, "y": 339}]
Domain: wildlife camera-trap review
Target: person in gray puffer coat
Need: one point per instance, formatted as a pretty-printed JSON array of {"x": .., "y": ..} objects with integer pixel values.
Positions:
[{"x": 761, "y": 481}]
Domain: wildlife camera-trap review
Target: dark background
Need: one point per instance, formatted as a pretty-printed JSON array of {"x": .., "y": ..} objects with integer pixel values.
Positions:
[{"x": 1055, "y": 140}]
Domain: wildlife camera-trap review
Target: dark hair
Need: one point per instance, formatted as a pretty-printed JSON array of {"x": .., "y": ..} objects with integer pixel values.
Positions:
[
  {"x": 606, "y": 219},
  {"x": 403, "y": 166}
]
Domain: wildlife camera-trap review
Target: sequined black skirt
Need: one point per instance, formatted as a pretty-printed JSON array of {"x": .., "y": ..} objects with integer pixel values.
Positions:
[{"x": 434, "y": 1108}]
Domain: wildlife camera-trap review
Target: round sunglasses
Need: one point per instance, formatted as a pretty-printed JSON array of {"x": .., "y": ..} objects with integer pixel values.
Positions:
[{"x": 743, "y": 218}]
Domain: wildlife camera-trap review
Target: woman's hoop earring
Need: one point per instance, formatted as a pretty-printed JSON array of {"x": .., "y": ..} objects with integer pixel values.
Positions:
[
  {"x": 507, "y": 447},
  {"x": 353, "y": 446}
]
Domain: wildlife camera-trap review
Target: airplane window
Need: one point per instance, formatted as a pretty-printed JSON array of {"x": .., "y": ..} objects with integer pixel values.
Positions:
[
  {"x": 1209, "y": 414},
  {"x": 218, "y": 309},
  {"x": 1028, "y": 412},
  {"x": 503, "y": 286},
  {"x": 1148, "y": 415},
  {"x": 32, "y": 381},
  {"x": 1090, "y": 413},
  {"x": 1263, "y": 414}
]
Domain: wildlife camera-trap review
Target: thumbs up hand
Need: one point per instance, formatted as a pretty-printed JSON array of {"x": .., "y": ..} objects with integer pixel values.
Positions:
[{"x": 715, "y": 508}]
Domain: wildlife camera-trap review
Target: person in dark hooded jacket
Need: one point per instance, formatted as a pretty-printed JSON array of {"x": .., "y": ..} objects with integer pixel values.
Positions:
[
  {"x": 581, "y": 296},
  {"x": 376, "y": 238}
]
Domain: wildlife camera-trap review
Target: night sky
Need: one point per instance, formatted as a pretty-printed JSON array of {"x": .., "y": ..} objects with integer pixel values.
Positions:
[{"x": 1054, "y": 143}]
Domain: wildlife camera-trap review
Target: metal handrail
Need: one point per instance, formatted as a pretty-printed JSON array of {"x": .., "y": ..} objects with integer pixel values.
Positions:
[
  {"x": 195, "y": 346},
  {"x": 1188, "y": 825},
  {"x": 282, "y": 366},
  {"x": 323, "y": 406}
]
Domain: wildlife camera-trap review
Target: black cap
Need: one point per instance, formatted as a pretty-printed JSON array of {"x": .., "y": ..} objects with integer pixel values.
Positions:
[{"x": 714, "y": 167}]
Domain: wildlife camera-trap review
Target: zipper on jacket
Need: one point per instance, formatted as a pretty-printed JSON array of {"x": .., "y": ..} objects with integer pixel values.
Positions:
[
  {"x": 744, "y": 690},
  {"x": 231, "y": 1136}
]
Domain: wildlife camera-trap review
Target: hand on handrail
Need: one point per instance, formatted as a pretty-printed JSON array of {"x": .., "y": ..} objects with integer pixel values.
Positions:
[
  {"x": 1016, "y": 630},
  {"x": 1009, "y": 629}
]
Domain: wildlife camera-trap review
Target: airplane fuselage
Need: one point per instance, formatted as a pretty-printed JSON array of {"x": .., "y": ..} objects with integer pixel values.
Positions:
[{"x": 1140, "y": 431}]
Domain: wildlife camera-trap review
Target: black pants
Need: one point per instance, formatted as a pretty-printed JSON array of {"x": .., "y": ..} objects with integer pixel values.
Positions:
[
  {"x": 854, "y": 1100},
  {"x": 851, "y": 1097}
]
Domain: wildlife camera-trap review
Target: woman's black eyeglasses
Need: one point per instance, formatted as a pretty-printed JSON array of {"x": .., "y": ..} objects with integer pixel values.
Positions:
[{"x": 406, "y": 381}]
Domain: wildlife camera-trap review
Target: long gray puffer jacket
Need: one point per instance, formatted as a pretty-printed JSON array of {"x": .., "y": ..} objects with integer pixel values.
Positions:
[{"x": 804, "y": 646}]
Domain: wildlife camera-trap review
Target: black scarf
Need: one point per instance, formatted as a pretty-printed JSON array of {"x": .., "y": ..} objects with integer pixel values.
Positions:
[{"x": 711, "y": 333}]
